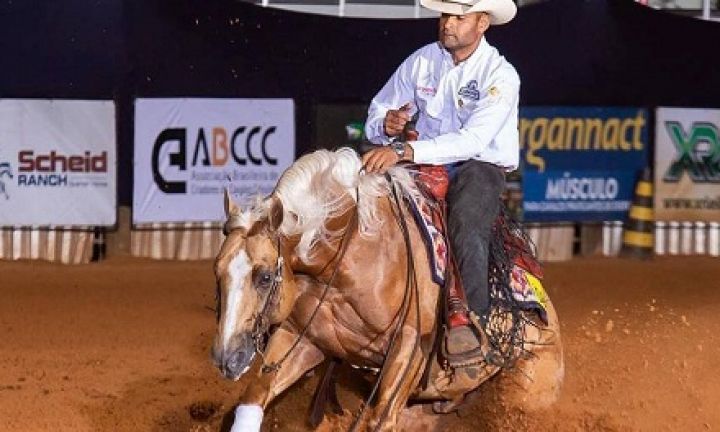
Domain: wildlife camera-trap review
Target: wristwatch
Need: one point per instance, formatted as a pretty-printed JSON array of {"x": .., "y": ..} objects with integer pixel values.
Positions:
[{"x": 399, "y": 148}]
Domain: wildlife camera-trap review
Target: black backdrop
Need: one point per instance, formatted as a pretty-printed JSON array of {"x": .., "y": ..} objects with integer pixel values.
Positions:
[{"x": 568, "y": 52}]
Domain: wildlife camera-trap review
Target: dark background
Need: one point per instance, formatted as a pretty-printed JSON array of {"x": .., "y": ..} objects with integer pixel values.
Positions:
[{"x": 568, "y": 52}]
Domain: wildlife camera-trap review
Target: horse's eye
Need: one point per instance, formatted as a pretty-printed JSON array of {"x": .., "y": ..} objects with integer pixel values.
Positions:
[{"x": 264, "y": 279}]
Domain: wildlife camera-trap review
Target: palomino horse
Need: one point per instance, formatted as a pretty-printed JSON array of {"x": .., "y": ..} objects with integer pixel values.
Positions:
[{"x": 319, "y": 269}]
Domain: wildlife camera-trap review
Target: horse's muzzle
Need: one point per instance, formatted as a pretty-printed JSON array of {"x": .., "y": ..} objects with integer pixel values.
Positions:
[{"x": 234, "y": 361}]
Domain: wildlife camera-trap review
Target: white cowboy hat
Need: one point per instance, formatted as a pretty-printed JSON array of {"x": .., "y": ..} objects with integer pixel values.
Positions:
[{"x": 500, "y": 11}]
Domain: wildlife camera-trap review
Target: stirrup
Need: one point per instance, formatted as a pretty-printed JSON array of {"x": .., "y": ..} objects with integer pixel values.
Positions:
[{"x": 470, "y": 357}]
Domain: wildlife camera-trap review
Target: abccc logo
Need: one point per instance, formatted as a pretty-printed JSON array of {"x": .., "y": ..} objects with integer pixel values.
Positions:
[{"x": 247, "y": 145}]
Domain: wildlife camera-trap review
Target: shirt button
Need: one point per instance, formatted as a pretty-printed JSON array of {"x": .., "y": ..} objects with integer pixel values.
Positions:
[{"x": 460, "y": 103}]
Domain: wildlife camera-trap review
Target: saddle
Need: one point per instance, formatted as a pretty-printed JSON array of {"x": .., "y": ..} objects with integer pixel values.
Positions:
[
  {"x": 523, "y": 276},
  {"x": 433, "y": 181}
]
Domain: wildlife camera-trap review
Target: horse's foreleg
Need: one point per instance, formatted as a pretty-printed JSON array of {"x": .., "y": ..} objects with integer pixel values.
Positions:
[
  {"x": 401, "y": 379},
  {"x": 263, "y": 387}
]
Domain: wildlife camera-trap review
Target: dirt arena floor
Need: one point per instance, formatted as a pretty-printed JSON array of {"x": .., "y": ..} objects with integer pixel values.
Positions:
[{"x": 124, "y": 346}]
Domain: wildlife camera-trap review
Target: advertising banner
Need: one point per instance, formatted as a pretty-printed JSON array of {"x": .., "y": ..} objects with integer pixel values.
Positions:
[
  {"x": 687, "y": 164},
  {"x": 188, "y": 151},
  {"x": 581, "y": 163},
  {"x": 57, "y": 162}
]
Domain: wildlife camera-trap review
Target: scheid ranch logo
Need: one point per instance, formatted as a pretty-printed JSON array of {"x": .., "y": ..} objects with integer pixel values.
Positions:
[{"x": 55, "y": 169}]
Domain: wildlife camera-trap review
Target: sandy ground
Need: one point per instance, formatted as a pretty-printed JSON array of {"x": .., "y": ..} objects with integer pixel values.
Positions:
[{"x": 124, "y": 346}]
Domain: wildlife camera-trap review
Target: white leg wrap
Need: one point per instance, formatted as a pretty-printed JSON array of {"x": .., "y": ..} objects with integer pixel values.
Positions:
[{"x": 248, "y": 418}]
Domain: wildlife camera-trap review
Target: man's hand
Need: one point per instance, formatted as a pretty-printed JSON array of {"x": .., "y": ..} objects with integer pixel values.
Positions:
[
  {"x": 380, "y": 159},
  {"x": 395, "y": 120}
]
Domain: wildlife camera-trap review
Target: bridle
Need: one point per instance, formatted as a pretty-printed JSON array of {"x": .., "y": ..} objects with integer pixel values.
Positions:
[
  {"x": 261, "y": 325},
  {"x": 261, "y": 322}
]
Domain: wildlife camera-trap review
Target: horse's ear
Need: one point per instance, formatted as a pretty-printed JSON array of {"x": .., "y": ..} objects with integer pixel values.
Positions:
[
  {"x": 275, "y": 213},
  {"x": 231, "y": 209}
]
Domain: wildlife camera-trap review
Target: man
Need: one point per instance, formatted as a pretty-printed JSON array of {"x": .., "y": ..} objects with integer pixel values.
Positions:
[{"x": 464, "y": 95}]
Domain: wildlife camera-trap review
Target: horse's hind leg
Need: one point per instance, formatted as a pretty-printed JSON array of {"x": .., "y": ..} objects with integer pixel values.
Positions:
[
  {"x": 536, "y": 382},
  {"x": 264, "y": 387}
]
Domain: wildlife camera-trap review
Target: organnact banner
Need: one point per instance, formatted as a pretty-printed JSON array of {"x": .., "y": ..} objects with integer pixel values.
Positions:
[
  {"x": 687, "y": 164},
  {"x": 188, "y": 151},
  {"x": 57, "y": 162},
  {"x": 581, "y": 163}
]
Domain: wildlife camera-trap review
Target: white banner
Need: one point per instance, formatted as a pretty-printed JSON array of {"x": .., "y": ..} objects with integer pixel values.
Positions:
[
  {"x": 57, "y": 162},
  {"x": 687, "y": 164},
  {"x": 187, "y": 151}
]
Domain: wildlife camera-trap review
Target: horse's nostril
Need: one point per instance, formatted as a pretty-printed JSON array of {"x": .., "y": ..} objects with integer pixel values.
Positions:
[{"x": 235, "y": 362}]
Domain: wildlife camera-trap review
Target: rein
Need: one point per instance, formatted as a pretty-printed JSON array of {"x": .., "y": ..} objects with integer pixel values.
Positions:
[
  {"x": 262, "y": 324},
  {"x": 411, "y": 287},
  {"x": 261, "y": 330}
]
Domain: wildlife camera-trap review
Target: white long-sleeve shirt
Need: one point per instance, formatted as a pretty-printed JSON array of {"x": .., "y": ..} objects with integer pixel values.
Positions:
[{"x": 467, "y": 111}]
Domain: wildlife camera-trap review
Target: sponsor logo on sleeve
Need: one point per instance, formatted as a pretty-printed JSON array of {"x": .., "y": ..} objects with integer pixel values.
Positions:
[{"x": 470, "y": 91}]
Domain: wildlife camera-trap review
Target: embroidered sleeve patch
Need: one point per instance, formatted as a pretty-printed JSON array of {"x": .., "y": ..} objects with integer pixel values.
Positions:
[
  {"x": 470, "y": 90},
  {"x": 494, "y": 95}
]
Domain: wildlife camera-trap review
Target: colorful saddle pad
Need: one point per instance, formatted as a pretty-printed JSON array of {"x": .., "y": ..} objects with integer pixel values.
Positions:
[
  {"x": 528, "y": 292},
  {"x": 434, "y": 240}
]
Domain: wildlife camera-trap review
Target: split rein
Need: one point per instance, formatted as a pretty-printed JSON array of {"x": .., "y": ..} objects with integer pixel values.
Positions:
[{"x": 411, "y": 288}]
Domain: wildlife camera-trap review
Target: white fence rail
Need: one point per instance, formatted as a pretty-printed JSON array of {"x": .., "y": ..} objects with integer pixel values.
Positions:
[
  {"x": 67, "y": 245},
  {"x": 181, "y": 241},
  {"x": 671, "y": 238}
]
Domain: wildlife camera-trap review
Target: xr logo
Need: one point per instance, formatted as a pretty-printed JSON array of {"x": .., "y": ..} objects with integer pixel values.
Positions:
[
  {"x": 698, "y": 152},
  {"x": 5, "y": 170}
]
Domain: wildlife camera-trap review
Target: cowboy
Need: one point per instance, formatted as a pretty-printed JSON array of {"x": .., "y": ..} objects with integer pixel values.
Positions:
[{"x": 463, "y": 96}]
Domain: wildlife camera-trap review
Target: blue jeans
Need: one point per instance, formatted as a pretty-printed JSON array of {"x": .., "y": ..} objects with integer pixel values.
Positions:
[{"x": 473, "y": 205}]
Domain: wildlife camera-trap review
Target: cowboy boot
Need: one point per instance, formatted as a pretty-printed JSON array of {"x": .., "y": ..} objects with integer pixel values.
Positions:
[
  {"x": 463, "y": 346},
  {"x": 462, "y": 341}
]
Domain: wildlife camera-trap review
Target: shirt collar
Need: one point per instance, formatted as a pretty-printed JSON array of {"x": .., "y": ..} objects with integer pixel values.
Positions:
[
  {"x": 479, "y": 52},
  {"x": 482, "y": 47}
]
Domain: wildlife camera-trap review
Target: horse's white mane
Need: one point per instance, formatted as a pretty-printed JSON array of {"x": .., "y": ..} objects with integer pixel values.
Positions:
[{"x": 322, "y": 185}]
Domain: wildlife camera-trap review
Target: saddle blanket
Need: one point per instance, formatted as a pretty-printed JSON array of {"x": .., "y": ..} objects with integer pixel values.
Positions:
[
  {"x": 527, "y": 290},
  {"x": 434, "y": 240}
]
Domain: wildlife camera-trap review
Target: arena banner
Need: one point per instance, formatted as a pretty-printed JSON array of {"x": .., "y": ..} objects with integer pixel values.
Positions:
[
  {"x": 581, "y": 163},
  {"x": 188, "y": 151},
  {"x": 687, "y": 164},
  {"x": 57, "y": 162}
]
